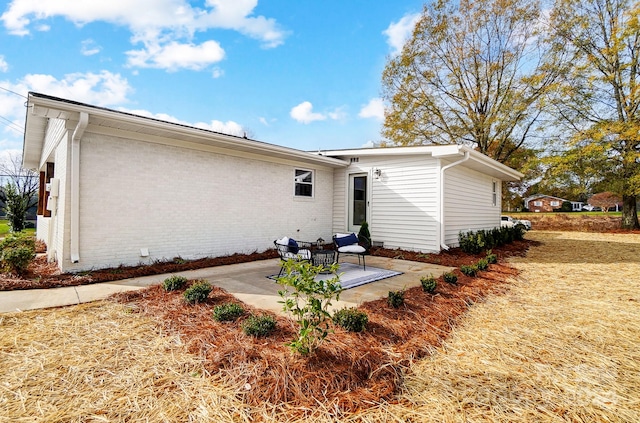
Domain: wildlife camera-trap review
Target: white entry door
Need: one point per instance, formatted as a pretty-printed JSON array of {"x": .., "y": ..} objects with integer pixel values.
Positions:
[{"x": 358, "y": 201}]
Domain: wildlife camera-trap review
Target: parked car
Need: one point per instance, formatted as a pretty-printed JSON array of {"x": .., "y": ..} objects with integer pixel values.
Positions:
[{"x": 509, "y": 222}]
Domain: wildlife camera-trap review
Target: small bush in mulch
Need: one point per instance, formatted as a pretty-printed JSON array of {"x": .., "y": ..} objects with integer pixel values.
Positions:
[
  {"x": 469, "y": 270},
  {"x": 17, "y": 251},
  {"x": 429, "y": 284},
  {"x": 259, "y": 325},
  {"x": 197, "y": 293},
  {"x": 227, "y": 312},
  {"x": 351, "y": 319},
  {"x": 173, "y": 283},
  {"x": 450, "y": 278},
  {"x": 396, "y": 298},
  {"x": 482, "y": 264},
  {"x": 491, "y": 258}
]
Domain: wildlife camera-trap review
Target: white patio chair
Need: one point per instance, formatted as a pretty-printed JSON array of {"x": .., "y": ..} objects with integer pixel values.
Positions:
[
  {"x": 348, "y": 244},
  {"x": 289, "y": 249}
]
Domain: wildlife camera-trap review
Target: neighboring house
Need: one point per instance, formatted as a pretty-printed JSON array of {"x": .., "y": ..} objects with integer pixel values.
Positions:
[
  {"x": 547, "y": 203},
  {"x": 122, "y": 189}
]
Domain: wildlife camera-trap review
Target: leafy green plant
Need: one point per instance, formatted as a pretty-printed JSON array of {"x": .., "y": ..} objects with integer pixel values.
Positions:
[
  {"x": 429, "y": 284},
  {"x": 351, "y": 319},
  {"x": 15, "y": 206},
  {"x": 308, "y": 300},
  {"x": 474, "y": 242},
  {"x": 364, "y": 237},
  {"x": 450, "y": 278},
  {"x": 482, "y": 264},
  {"x": 259, "y": 326},
  {"x": 198, "y": 292},
  {"x": 17, "y": 251},
  {"x": 227, "y": 312},
  {"x": 174, "y": 282},
  {"x": 396, "y": 298},
  {"x": 491, "y": 258},
  {"x": 469, "y": 270}
]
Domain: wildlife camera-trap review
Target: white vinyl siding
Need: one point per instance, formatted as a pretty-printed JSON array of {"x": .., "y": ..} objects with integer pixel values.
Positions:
[
  {"x": 469, "y": 202},
  {"x": 403, "y": 203}
]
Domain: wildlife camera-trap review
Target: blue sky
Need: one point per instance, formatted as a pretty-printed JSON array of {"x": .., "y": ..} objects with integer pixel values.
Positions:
[{"x": 303, "y": 74}]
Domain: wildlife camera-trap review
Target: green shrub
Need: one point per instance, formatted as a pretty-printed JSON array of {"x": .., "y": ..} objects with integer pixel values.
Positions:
[
  {"x": 197, "y": 293},
  {"x": 491, "y": 258},
  {"x": 351, "y": 319},
  {"x": 482, "y": 264},
  {"x": 17, "y": 251},
  {"x": 469, "y": 270},
  {"x": 474, "y": 242},
  {"x": 450, "y": 278},
  {"x": 173, "y": 283},
  {"x": 429, "y": 284},
  {"x": 258, "y": 326},
  {"x": 308, "y": 301},
  {"x": 227, "y": 312},
  {"x": 364, "y": 237},
  {"x": 396, "y": 298}
]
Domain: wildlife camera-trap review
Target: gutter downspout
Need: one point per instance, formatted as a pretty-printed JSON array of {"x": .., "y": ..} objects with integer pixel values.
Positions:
[
  {"x": 442, "y": 220},
  {"x": 75, "y": 186}
]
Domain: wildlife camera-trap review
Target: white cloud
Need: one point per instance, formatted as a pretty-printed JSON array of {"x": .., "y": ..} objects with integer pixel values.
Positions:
[
  {"x": 217, "y": 73},
  {"x": 304, "y": 113},
  {"x": 89, "y": 47},
  {"x": 173, "y": 56},
  {"x": 162, "y": 26},
  {"x": 338, "y": 114},
  {"x": 102, "y": 89},
  {"x": 373, "y": 109},
  {"x": 230, "y": 127},
  {"x": 399, "y": 32},
  {"x": 263, "y": 121},
  {"x": 4, "y": 66}
]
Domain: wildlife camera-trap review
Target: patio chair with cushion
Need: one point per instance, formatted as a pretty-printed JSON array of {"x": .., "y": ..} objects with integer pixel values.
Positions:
[
  {"x": 348, "y": 244},
  {"x": 290, "y": 249}
]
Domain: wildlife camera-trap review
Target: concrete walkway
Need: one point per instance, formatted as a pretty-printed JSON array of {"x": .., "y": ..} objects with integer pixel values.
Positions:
[{"x": 246, "y": 281}]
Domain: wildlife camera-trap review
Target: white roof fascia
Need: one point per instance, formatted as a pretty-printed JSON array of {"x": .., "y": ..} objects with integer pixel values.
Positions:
[{"x": 436, "y": 151}]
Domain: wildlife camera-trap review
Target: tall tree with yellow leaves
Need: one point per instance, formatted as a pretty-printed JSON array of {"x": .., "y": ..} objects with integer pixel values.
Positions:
[
  {"x": 599, "y": 101},
  {"x": 473, "y": 73}
]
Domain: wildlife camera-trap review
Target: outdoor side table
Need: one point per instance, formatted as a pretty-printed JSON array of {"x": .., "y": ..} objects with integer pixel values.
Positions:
[{"x": 324, "y": 258}]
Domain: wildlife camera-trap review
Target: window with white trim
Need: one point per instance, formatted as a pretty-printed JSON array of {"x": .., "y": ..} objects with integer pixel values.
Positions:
[
  {"x": 537, "y": 203},
  {"x": 555, "y": 203},
  {"x": 303, "y": 182},
  {"x": 494, "y": 195}
]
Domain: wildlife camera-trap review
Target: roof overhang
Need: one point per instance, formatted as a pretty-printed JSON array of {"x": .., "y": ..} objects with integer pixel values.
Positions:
[
  {"x": 449, "y": 153},
  {"x": 41, "y": 108}
]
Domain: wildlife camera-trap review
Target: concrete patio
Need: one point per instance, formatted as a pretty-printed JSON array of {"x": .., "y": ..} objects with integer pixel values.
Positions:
[{"x": 246, "y": 281}]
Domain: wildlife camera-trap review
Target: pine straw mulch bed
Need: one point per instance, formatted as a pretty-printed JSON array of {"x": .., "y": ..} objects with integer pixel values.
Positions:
[{"x": 349, "y": 372}]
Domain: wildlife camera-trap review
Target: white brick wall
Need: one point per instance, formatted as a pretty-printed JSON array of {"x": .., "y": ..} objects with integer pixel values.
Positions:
[{"x": 181, "y": 202}]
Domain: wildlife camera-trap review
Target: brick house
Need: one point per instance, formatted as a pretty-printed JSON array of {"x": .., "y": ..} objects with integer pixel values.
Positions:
[
  {"x": 547, "y": 203},
  {"x": 118, "y": 188}
]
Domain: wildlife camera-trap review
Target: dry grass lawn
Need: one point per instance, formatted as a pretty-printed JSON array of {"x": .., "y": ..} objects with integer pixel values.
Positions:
[{"x": 563, "y": 344}]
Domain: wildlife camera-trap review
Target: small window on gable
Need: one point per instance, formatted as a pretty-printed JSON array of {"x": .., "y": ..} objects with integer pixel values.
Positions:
[
  {"x": 494, "y": 195},
  {"x": 303, "y": 182}
]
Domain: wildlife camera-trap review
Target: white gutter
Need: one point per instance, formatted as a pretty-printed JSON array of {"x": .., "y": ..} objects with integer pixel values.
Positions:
[
  {"x": 75, "y": 186},
  {"x": 442, "y": 219}
]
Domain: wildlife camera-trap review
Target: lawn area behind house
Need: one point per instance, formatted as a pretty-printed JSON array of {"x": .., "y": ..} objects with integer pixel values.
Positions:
[{"x": 558, "y": 342}]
